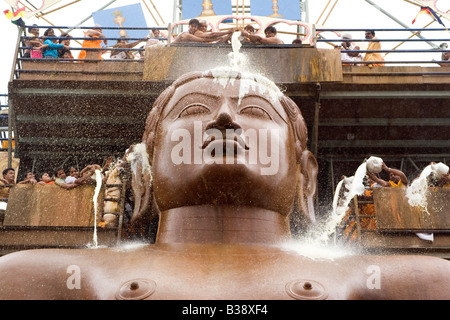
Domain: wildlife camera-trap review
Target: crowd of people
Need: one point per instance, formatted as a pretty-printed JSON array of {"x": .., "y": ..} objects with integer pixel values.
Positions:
[
  {"x": 65, "y": 179},
  {"x": 70, "y": 179},
  {"x": 48, "y": 46},
  {"x": 352, "y": 54},
  {"x": 198, "y": 33},
  {"x": 51, "y": 47}
]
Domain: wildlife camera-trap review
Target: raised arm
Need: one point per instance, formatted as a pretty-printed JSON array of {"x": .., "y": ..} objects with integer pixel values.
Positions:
[
  {"x": 378, "y": 180},
  {"x": 397, "y": 172},
  {"x": 213, "y": 36},
  {"x": 187, "y": 37}
]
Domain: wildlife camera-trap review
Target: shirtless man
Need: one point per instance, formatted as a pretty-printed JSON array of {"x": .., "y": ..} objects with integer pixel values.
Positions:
[
  {"x": 215, "y": 37},
  {"x": 123, "y": 43},
  {"x": 8, "y": 176},
  {"x": 396, "y": 177},
  {"x": 195, "y": 34},
  {"x": 30, "y": 178},
  {"x": 271, "y": 36},
  {"x": 250, "y": 30}
]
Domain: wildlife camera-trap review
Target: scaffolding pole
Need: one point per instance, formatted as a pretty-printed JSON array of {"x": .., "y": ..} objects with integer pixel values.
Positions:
[
  {"x": 398, "y": 21},
  {"x": 90, "y": 16}
]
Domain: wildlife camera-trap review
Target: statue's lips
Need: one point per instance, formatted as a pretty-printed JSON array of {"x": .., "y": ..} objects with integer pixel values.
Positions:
[{"x": 227, "y": 142}]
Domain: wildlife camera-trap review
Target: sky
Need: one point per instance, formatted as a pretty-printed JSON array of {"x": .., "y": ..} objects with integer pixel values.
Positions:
[{"x": 345, "y": 14}]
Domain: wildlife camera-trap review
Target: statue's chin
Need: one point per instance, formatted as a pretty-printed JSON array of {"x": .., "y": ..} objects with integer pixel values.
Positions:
[{"x": 225, "y": 184}]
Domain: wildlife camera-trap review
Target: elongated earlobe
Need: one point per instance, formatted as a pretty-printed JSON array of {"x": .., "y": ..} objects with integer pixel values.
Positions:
[
  {"x": 310, "y": 170},
  {"x": 307, "y": 172}
]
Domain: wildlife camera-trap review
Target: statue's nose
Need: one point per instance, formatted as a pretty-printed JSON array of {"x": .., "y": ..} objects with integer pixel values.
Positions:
[{"x": 224, "y": 119}]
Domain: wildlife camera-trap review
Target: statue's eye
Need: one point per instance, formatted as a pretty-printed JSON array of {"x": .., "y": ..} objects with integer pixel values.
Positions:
[
  {"x": 193, "y": 109},
  {"x": 255, "y": 111}
]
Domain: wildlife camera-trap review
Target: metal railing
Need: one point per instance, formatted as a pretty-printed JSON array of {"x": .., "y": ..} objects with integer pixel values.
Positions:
[
  {"x": 22, "y": 38},
  {"x": 351, "y": 226},
  {"x": 407, "y": 53},
  {"x": 4, "y": 125}
]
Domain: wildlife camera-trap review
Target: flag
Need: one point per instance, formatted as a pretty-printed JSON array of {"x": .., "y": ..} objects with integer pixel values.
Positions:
[
  {"x": 8, "y": 14},
  {"x": 19, "y": 22},
  {"x": 41, "y": 6},
  {"x": 18, "y": 14},
  {"x": 16, "y": 17},
  {"x": 432, "y": 13}
]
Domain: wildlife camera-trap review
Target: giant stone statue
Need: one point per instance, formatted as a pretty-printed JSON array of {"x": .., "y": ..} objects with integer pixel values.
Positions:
[{"x": 228, "y": 166}]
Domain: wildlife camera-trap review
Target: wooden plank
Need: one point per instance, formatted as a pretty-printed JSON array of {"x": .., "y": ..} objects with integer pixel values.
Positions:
[
  {"x": 395, "y": 213},
  {"x": 53, "y": 237},
  {"x": 281, "y": 65},
  {"x": 50, "y": 205}
]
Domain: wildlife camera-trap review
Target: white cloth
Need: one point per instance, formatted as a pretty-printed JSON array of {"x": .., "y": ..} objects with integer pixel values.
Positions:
[
  {"x": 70, "y": 179},
  {"x": 426, "y": 236},
  {"x": 346, "y": 58},
  {"x": 155, "y": 43}
]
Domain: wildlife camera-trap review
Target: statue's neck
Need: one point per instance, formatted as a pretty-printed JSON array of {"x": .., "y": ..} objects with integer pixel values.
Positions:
[{"x": 222, "y": 224}]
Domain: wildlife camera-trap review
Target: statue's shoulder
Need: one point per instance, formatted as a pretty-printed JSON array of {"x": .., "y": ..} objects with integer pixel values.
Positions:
[
  {"x": 40, "y": 274},
  {"x": 408, "y": 277}
]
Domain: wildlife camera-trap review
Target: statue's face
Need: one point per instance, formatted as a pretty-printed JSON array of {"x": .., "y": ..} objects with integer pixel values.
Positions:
[{"x": 216, "y": 145}]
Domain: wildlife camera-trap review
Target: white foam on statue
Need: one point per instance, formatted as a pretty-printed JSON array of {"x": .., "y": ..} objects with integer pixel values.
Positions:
[
  {"x": 316, "y": 251},
  {"x": 139, "y": 156},
  {"x": 237, "y": 60},
  {"x": 130, "y": 246},
  {"x": 239, "y": 67}
]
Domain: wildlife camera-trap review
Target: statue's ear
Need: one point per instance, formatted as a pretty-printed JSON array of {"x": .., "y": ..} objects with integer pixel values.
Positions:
[
  {"x": 149, "y": 140},
  {"x": 307, "y": 172},
  {"x": 145, "y": 211}
]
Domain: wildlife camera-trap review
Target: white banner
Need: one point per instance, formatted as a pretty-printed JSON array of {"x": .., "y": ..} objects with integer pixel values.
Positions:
[{"x": 30, "y": 11}]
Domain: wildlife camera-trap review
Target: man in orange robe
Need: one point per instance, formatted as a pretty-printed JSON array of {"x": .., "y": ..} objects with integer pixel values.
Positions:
[
  {"x": 373, "y": 45},
  {"x": 95, "y": 33}
]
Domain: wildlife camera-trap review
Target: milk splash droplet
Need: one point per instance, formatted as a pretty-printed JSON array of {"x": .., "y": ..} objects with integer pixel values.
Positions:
[
  {"x": 98, "y": 186},
  {"x": 419, "y": 188},
  {"x": 346, "y": 190},
  {"x": 316, "y": 251}
]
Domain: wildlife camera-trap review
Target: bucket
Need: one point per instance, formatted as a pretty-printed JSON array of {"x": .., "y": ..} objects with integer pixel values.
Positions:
[{"x": 374, "y": 164}]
